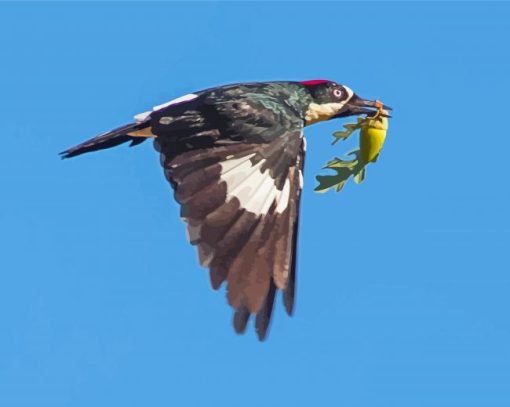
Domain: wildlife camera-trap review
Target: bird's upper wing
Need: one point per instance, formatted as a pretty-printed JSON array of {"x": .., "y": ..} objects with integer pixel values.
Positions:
[{"x": 237, "y": 173}]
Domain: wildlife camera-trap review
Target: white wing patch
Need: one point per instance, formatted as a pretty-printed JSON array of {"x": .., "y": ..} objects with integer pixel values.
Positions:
[
  {"x": 255, "y": 190},
  {"x": 140, "y": 117},
  {"x": 283, "y": 197}
]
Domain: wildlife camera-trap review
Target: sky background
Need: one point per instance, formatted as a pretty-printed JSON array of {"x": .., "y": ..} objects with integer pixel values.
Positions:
[{"x": 403, "y": 281}]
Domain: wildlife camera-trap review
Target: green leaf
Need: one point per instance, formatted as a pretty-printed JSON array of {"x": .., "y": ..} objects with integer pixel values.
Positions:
[
  {"x": 349, "y": 129},
  {"x": 343, "y": 170}
]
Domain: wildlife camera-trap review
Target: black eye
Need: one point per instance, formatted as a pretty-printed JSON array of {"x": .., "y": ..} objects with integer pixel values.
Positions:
[{"x": 338, "y": 93}]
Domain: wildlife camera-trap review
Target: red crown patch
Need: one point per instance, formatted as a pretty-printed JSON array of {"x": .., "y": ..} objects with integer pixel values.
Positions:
[{"x": 314, "y": 82}]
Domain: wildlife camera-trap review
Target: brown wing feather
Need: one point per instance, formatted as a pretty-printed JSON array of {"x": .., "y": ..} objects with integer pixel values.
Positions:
[
  {"x": 289, "y": 291},
  {"x": 253, "y": 252},
  {"x": 263, "y": 317}
]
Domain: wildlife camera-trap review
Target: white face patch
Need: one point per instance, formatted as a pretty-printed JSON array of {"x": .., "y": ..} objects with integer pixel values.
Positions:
[
  {"x": 320, "y": 112},
  {"x": 349, "y": 92},
  {"x": 186, "y": 98},
  {"x": 255, "y": 190}
]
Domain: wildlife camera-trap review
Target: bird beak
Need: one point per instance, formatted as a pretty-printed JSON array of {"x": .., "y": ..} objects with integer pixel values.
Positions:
[{"x": 357, "y": 105}]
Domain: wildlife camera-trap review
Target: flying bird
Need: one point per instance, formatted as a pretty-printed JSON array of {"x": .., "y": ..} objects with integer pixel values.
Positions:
[{"x": 234, "y": 156}]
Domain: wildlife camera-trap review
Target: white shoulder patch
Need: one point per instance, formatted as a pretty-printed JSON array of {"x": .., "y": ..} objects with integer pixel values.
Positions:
[
  {"x": 140, "y": 117},
  {"x": 185, "y": 98}
]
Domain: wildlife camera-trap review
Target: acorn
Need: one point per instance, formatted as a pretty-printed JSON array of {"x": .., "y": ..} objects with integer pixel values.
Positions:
[{"x": 372, "y": 136}]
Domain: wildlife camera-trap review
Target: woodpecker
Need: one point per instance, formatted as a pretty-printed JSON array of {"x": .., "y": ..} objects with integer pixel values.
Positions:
[{"x": 234, "y": 156}]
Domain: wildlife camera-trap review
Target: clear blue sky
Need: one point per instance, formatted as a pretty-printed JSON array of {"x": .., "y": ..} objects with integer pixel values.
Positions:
[{"x": 403, "y": 288}]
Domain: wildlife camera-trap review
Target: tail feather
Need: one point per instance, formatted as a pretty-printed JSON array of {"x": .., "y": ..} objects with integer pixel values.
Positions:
[{"x": 109, "y": 139}]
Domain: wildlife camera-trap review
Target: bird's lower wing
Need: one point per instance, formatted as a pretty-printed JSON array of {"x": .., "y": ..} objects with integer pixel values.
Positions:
[{"x": 241, "y": 202}]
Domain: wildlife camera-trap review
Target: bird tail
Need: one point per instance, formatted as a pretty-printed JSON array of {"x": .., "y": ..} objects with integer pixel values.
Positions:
[{"x": 135, "y": 133}]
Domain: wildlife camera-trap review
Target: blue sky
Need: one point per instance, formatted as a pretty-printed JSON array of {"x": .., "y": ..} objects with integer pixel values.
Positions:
[{"x": 403, "y": 281}]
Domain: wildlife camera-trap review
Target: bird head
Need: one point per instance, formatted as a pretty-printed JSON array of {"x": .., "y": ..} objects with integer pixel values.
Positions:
[{"x": 331, "y": 100}]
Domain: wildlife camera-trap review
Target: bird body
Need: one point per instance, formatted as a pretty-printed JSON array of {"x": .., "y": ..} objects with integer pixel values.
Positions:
[{"x": 234, "y": 156}]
